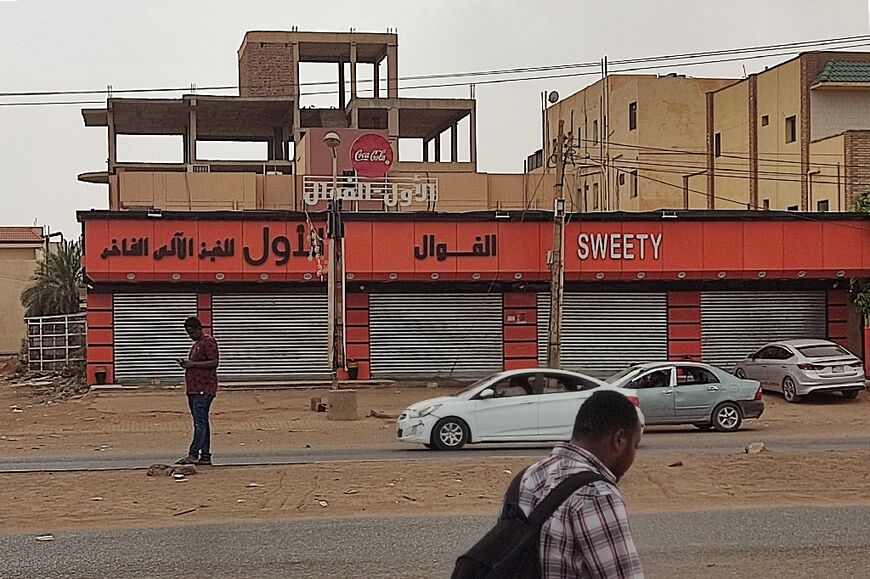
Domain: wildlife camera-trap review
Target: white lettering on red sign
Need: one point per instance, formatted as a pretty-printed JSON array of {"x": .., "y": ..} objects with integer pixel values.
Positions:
[{"x": 619, "y": 246}]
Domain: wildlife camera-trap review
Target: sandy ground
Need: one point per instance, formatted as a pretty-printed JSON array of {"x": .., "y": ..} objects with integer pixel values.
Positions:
[
  {"x": 44, "y": 503},
  {"x": 264, "y": 420}
]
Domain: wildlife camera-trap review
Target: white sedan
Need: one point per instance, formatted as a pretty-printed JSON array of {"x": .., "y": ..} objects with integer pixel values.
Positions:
[{"x": 535, "y": 405}]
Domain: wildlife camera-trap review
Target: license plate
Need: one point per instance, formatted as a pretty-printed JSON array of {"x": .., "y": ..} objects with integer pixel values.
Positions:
[{"x": 839, "y": 369}]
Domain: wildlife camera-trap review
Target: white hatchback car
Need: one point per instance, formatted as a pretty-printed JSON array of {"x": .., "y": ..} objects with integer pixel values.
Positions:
[{"x": 534, "y": 405}]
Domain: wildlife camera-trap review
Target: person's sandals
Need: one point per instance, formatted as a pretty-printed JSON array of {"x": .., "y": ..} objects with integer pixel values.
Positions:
[
  {"x": 188, "y": 460},
  {"x": 205, "y": 460}
]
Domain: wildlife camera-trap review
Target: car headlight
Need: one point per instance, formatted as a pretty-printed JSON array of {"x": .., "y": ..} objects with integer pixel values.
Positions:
[{"x": 425, "y": 411}]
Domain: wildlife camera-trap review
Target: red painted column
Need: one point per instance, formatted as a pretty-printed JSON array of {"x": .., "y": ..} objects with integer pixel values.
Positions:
[
  {"x": 837, "y": 316},
  {"x": 357, "y": 334},
  {"x": 101, "y": 338},
  {"x": 204, "y": 311},
  {"x": 684, "y": 326},
  {"x": 520, "y": 330}
]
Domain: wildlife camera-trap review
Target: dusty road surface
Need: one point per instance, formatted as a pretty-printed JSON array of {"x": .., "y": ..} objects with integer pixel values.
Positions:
[
  {"x": 265, "y": 421},
  {"x": 685, "y": 545},
  {"x": 44, "y": 502}
]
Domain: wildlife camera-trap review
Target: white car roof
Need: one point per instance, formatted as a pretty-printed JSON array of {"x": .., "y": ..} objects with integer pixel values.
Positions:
[{"x": 802, "y": 343}]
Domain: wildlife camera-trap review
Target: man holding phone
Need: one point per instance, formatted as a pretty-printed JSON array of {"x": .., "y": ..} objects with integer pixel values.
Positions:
[{"x": 201, "y": 382}]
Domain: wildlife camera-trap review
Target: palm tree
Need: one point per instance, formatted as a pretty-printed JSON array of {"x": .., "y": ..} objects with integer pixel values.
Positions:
[{"x": 56, "y": 283}]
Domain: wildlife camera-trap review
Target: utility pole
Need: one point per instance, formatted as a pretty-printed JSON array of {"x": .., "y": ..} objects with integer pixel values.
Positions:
[
  {"x": 335, "y": 273},
  {"x": 557, "y": 256}
]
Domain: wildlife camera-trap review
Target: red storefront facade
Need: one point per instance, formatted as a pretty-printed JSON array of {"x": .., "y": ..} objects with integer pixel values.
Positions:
[{"x": 462, "y": 294}]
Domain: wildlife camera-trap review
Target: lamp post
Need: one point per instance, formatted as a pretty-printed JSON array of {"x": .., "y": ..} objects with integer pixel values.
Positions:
[{"x": 335, "y": 257}]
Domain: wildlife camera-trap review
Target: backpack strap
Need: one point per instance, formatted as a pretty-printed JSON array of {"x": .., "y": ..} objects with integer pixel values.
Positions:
[
  {"x": 560, "y": 494},
  {"x": 512, "y": 497}
]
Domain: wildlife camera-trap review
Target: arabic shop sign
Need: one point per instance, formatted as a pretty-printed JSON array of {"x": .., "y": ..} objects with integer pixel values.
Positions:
[
  {"x": 485, "y": 246},
  {"x": 392, "y": 192},
  {"x": 181, "y": 247},
  {"x": 619, "y": 246},
  {"x": 371, "y": 156}
]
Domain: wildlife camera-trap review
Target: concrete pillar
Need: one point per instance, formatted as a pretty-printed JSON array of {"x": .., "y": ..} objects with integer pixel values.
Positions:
[
  {"x": 113, "y": 139},
  {"x": 353, "y": 63},
  {"x": 454, "y": 143},
  {"x": 438, "y": 148},
  {"x": 473, "y": 134},
  {"x": 393, "y": 128},
  {"x": 376, "y": 76},
  {"x": 341, "y": 95},
  {"x": 191, "y": 137},
  {"x": 425, "y": 150},
  {"x": 393, "y": 71}
]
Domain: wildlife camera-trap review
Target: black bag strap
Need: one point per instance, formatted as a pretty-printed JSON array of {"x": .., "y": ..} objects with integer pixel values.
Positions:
[
  {"x": 512, "y": 496},
  {"x": 560, "y": 494}
]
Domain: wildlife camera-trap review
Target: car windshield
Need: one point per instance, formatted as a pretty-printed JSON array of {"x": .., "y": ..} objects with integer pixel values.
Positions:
[
  {"x": 822, "y": 351},
  {"x": 620, "y": 375},
  {"x": 472, "y": 386}
]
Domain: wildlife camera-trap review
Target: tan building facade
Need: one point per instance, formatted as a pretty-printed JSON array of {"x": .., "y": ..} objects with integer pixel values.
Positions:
[
  {"x": 21, "y": 249},
  {"x": 793, "y": 137}
]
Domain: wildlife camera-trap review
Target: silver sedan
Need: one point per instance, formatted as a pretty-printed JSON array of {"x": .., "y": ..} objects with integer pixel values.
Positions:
[{"x": 800, "y": 367}]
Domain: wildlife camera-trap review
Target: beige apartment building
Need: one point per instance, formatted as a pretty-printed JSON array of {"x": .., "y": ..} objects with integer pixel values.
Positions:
[
  {"x": 21, "y": 249},
  {"x": 270, "y": 109},
  {"x": 793, "y": 137}
]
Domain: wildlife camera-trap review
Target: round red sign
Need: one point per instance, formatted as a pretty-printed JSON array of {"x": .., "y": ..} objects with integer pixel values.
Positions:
[{"x": 371, "y": 156}]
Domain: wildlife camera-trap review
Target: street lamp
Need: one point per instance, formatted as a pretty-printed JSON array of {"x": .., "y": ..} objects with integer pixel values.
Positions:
[{"x": 335, "y": 233}]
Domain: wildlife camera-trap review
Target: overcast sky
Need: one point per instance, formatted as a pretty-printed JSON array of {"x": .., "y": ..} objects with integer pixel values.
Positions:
[{"x": 78, "y": 45}]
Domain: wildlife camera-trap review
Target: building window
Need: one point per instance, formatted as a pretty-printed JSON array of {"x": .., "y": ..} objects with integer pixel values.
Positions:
[
  {"x": 791, "y": 129},
  {"x": 634, "y": 191},
  {"x": 595, "y": 196},
  {"x": 595, "y": 132},
  {"x": 717, "y": 144},
  {"x": 632, "y": 116},
  {"x": 823, "y": 205},
  {"x": 792, "y": 207},
  {"x": 765, "y": 120},
  {"x": 766, "y": 204}
]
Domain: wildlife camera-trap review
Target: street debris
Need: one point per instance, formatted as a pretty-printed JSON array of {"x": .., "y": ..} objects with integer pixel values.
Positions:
[
  {"x": 351, "y": 492},
  {"x": 384, "y": 415},
  {"x": 755, "y": 448},
  {"x": 252, "y": 485},
  {"x": 323, "y": 503},
  {"x": 184, "y": 512},
  {"x": 97, "y": 499},
  {"x": 45, "y": 538},
  {"x": 176, "y": 471},
  {"x": 506, "y": 471},
  {"x": 675, "y": 464},
  {"x": 50, "y": 387},
  {"x": 410, "y": 498}
]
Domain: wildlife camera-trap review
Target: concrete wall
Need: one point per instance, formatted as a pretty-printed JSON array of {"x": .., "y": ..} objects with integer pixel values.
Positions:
[
  {"x": 834, "y": 111},
  {"x": 17, "y": 266},
  {"x": 266, "y": 69},
  {"x": 731, "y": 123}
]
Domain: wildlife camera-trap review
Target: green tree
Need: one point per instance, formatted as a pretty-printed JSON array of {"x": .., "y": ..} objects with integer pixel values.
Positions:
[
  {"x": 859, "y": 289},
  {"x": 56, "y": 283}
]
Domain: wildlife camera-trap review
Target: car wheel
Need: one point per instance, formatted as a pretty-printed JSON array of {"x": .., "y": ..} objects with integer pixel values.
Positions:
[
  {"x": 450, "y": 434},
  {"x": 726, "y": 417},
  {"x": 740, "y": 373},
  {"x": 789, "y": 391},
  {"x": 850, "y": 394},
  {"x": 703, "y": 426}
]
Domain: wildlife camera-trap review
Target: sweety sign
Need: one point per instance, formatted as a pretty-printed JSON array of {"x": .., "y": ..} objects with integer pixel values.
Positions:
[{"x": 371, "y": 156}]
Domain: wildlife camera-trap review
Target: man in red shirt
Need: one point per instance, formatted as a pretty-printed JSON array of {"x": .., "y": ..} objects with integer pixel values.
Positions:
[{"x": 200, "y": 377}]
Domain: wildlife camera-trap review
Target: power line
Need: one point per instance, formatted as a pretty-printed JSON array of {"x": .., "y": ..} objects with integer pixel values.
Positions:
[{"x": 841, "y": 43}]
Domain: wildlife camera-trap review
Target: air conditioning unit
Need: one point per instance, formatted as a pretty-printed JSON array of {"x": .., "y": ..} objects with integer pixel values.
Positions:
[{"x": 198, "y": 168}]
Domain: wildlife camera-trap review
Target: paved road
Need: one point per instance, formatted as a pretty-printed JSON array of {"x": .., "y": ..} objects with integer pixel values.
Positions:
[
  {"x": 782, "y": 543},
  {"x": 654, "y": 442}
]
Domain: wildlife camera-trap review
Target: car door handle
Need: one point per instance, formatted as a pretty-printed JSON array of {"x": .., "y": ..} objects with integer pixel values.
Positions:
[
  {"x": 666, "y": 392},
  {"x": 712, "y": 388}
]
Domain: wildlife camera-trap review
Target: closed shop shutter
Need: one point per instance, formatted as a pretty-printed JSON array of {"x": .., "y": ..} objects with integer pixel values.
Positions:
[
  {"x": 457, "y": 335},
  {"x": 735, "y": 324},
  {"x": 150, "y": 336},
  {"x": 271, "y": 336},
  {"x": 603, "y": 333}
]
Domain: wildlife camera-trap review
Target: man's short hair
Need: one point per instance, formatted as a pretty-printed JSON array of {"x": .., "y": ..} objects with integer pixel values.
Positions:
[
  {"x": 603, "y": 414},
  {"x": 193, "y": 323}
]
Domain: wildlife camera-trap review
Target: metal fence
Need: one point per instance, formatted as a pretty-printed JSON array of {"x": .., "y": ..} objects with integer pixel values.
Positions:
[{"x": 55, "y": 342}]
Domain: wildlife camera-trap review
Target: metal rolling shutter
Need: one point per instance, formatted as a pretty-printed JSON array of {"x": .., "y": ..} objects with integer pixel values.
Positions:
[
  {"x": 457, "y": 335},
  {"x": 734, "y": 324},
  {"x": 271, "y": 336},
  {"x": 605, "y": 332},
  {"x": 150, "y": 336}
]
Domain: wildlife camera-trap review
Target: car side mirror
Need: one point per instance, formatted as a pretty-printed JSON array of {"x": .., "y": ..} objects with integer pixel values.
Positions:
[{"x": 488, "y": 393}]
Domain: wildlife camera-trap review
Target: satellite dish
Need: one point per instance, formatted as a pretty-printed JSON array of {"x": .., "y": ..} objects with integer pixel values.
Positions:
[{"x": 553, "y": 97}]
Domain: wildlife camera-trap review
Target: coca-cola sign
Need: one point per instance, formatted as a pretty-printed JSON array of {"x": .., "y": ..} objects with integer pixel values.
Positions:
[{"x": 371, "y": 156}]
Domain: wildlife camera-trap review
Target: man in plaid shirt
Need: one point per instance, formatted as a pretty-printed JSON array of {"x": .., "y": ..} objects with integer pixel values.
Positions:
[{"x": 589, "y": 534}]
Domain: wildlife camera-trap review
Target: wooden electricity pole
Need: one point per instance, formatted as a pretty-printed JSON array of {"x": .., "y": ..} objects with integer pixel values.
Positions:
[{"x": 557, "y": 257}]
